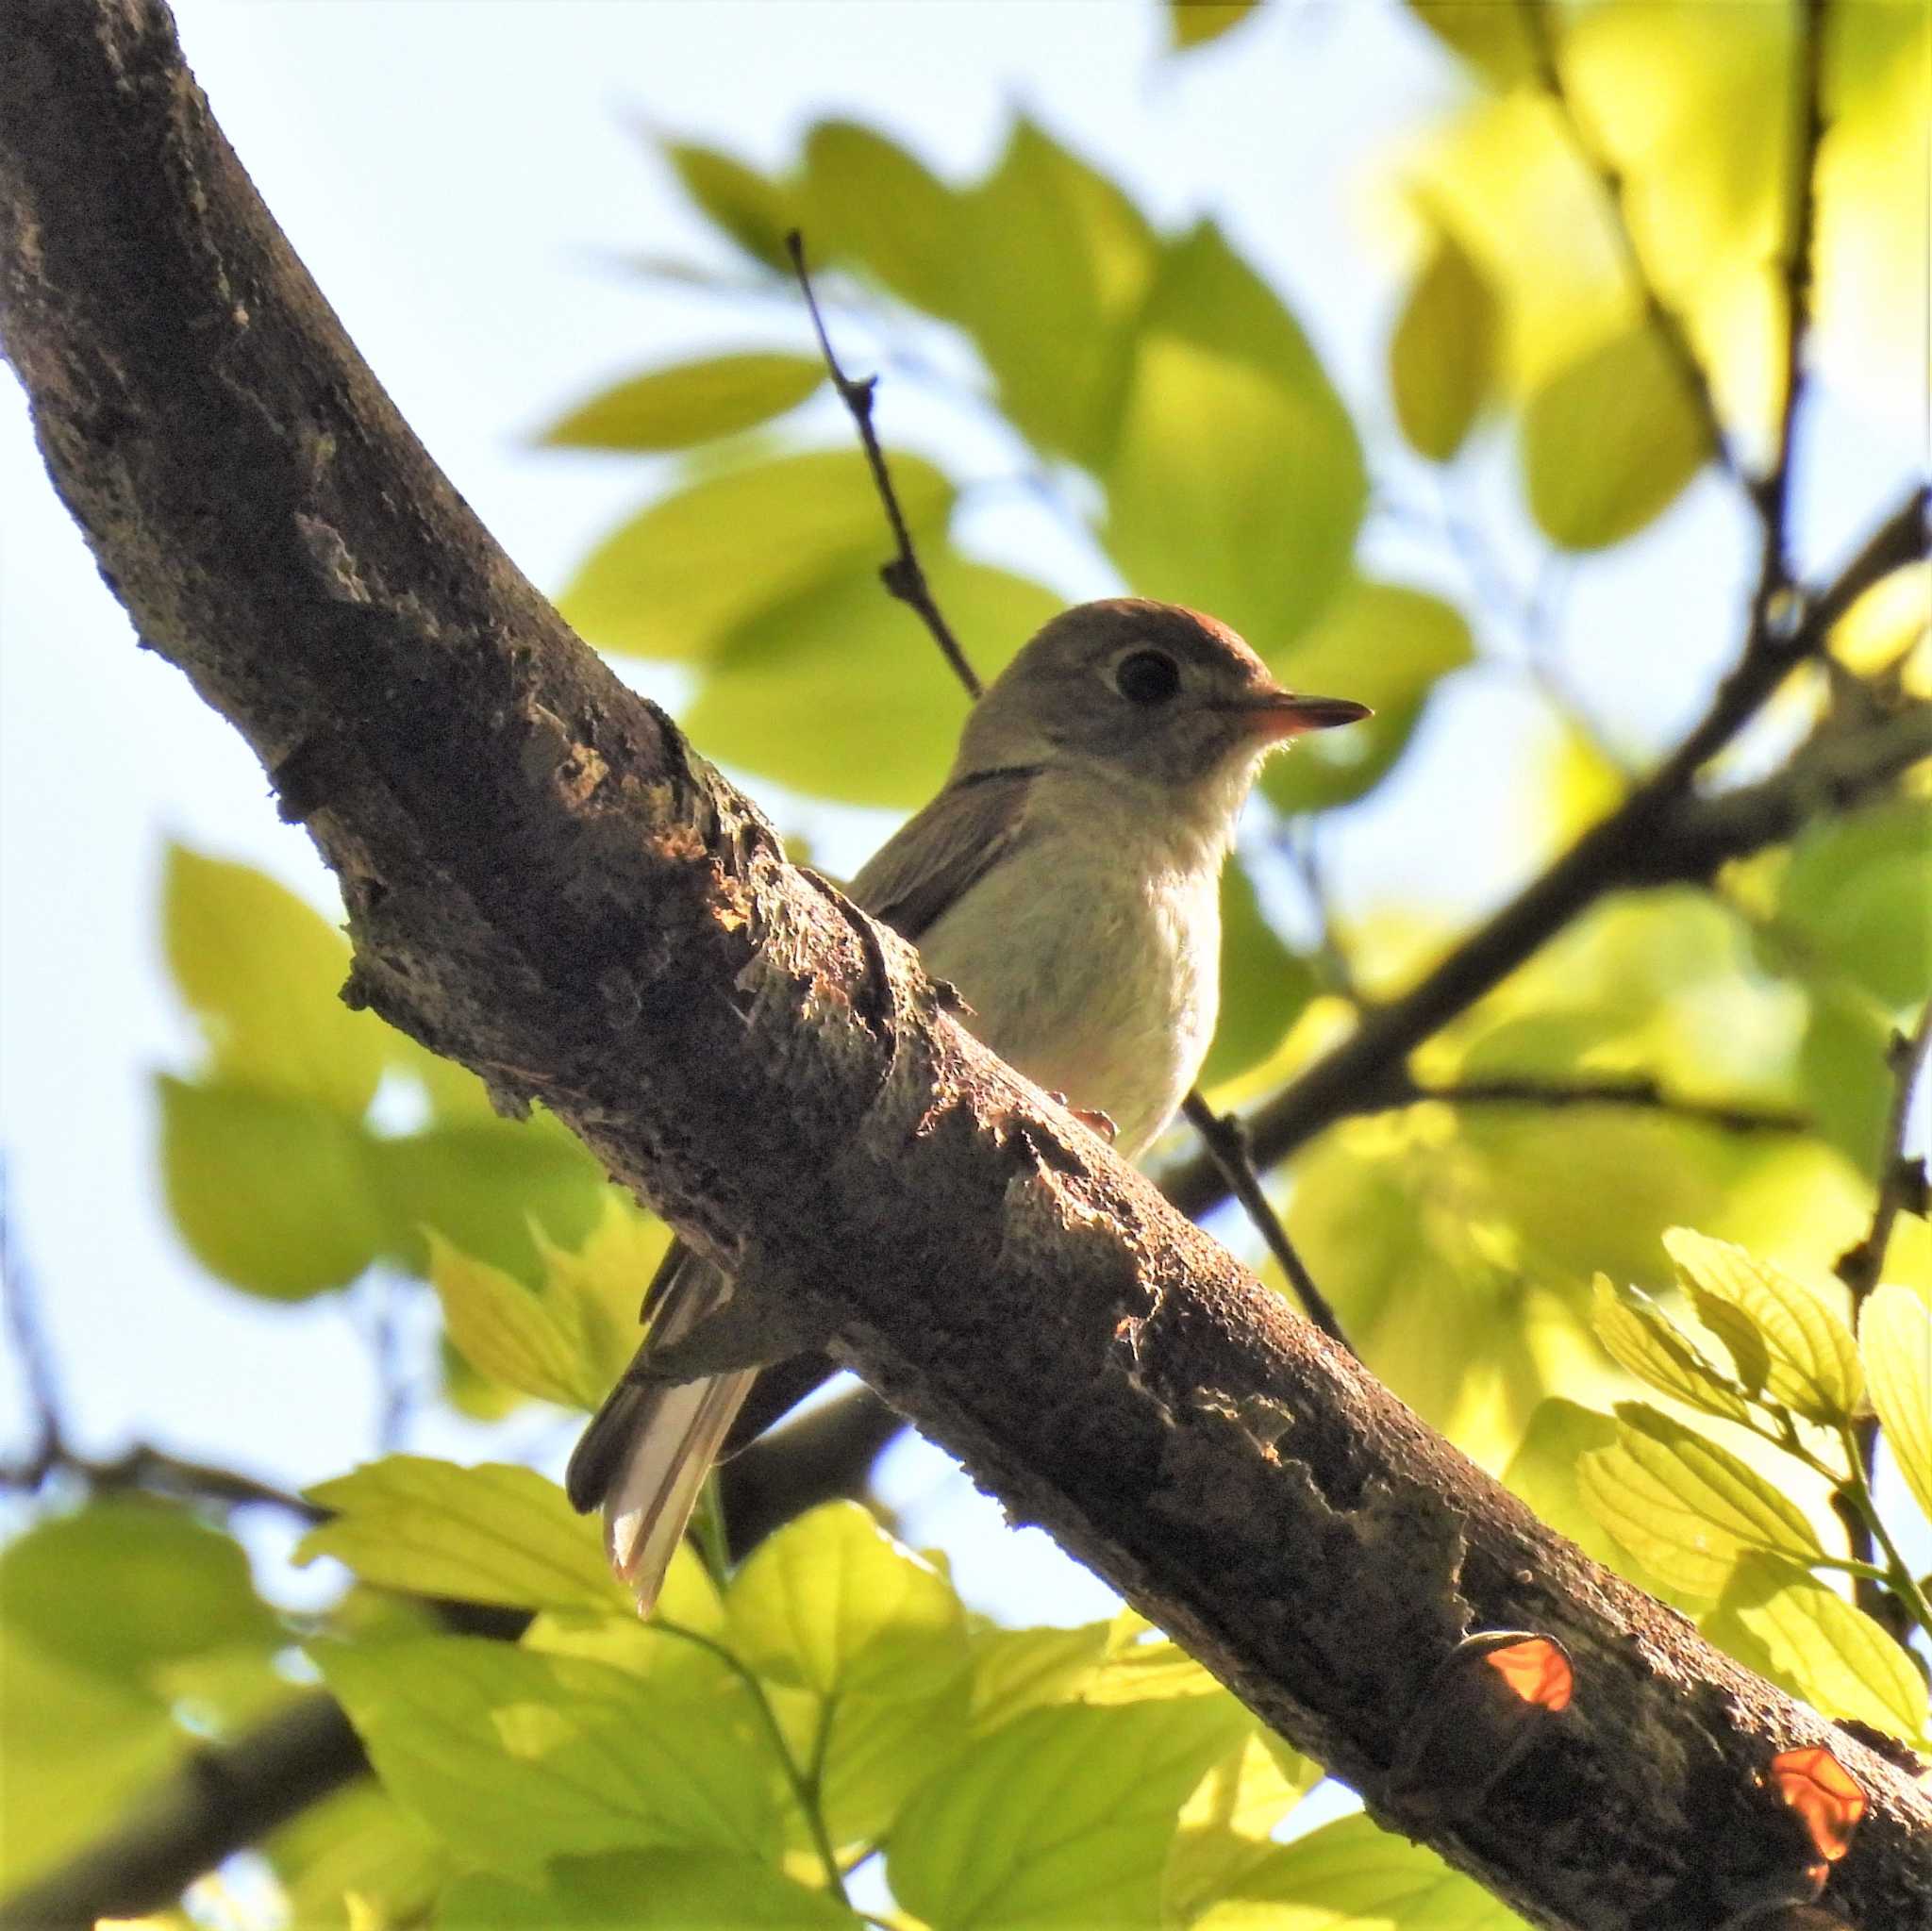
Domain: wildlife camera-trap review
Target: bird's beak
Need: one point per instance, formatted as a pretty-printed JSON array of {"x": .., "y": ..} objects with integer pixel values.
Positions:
[{"x": 1273, "y": 715}]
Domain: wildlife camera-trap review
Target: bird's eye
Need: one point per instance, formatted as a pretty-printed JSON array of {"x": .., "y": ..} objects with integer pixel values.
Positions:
[{"x": 1147, "y": 676}]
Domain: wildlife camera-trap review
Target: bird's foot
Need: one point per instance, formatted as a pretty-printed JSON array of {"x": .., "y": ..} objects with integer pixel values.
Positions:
[{"x": 1094, "y": 1120}]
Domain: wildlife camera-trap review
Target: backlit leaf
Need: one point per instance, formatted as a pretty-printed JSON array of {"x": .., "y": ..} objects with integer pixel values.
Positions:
[
  {"x": 1857, "y": 898},
  {"x": 644, "y": 1890},
  {"x": 1238, "y": 483},
  {"x": 489, "y": 1187},
  {"x": 533, "y": 1342},
  {"x": 515, "y": 1759},
  {"x": 1442, "y": 359},
  {"x": 679, "y": 577},
  {"x": 1842, "y": 1060},
  {"x": 1385, "y": 645},
  {"x": 874, "y": 204},
  {"x": 1793, "y": 1628},
  {"x": 1226, "y": 1824},
  {"x": 1016, "y": 1670},
  {"x": 1642, "y": 1338},
  {"x": 1895, "y": 1344},
  {"x": 755, "y": 212},
  {"x": 1263, "y": 984},
  {"x": 1062, "y": 1818},
  {"x": 873, "y": 1637},
  {"x": 1786, "y": 1337},
  {"x": 689, "y": 403},
  {"x": 1609, "y": 442},
  {"x": 841, "y": 693},
  {"x": 273, "y": 1192},
  {"x": 490, "y": 1534},
  {"x": 1490, "y": 37},
  {"x": 263, "y": 972},
  {"x": 1194, "y": 23},
  {"x": 1686, "y": 1507}
]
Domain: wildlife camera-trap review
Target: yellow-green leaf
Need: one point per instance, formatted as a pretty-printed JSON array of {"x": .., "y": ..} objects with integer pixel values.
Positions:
[
  {"x": 682, "y": 576},
  {"x": 1895, "y": 1343},
  {"x": 755, "y": 212},
  {"x": 863, "y": 1644},
  {"x": 1016, "y": 1670},
  {"x": 839, "y": 691},
  {"x": 532, "y": 1342},
  {"x": 515, "y": 1759},
  {"x": 1351, "y": 1876},
  {"x": 1194, "y": 23},
  {"x": 1263, "y": 984},
  {"x": 1791, "y": 1627},
  {"x": 874, "y": 204},
  {"x": 1383, "y": 644},
  {"x": 646, "y": 1890},
  {"x": 1609, "y": 441},
  {"x": 1489, "y": 34},
  {"x": 1638, "y": 1336},
  {"x": 273, "y": 1192},
  {"x": 491, "y": 1188},
  {"x": 1226, "y": 1825},
  {"x": 1063, "y": 1818},
  {"x": 1442, "y": 356},
  {"x": 1684, "y": 1507},
  {"x": 689, "y": 403},
  {"x": 1785, "y": 1337},
  {"x": 263, "y": 972},
  {"x": 490, "y": 1534},
  {"x": 1238, "y": 483}
]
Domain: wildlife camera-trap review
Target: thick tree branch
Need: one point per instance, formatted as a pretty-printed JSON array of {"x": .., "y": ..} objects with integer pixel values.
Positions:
[{"x": 543, "y": 882}]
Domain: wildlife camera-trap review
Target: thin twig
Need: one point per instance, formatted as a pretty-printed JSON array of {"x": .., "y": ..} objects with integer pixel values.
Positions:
[
  {"x": 1225, "y": 1140},
  {"x": 902, "y": 576},
  {"x": 1641, "y": 1094},
  {"x": 1224, "y": 1137},
  {"x": 1590, "y": 151}
]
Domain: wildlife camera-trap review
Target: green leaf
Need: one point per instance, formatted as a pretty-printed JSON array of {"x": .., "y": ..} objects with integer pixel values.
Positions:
[
  {"x": 1062, "y": 1818},
  {"x": 127, "y": 1584},
  {"x": 680, "y": 578},
  {"x": 1786, "y": 1338},
  {"x": 1543, "y": 1473},
  {"x": 271, "y": 1192},
  {"x": 1489, "y": 37},
  {"x": 1017, "y": 1669},
  {"x": 1351, "y": 1876},
  {"x": 533, "y": 1342},
  {"x": 884, "y": 709},
  {"x": 1226, "y": 1826},
  {"x": 874, "y": 204},
  {"x": 1686, "y": 1507},
  {"x": 1442, "y": 356},
  {"x": 361, "y": 1841},
  {"x": 263, "y": 974},
  {"x": 1895, "y": 1344},
  {"x": 490, "y": 1534},
  {"x": 1609, "y": 442},
  {"x": 1638, "y": 1336},
  {"x": 874, "y": 1639},
  {"x": 755, "y": 212},
  {"x": 80, "y": 1744},
  {"x": 1847, "y": 1090},
  {"x": 1194, "y": 23},
  {"x": 1383, "y": 644},
  {"x": 515, "y": 1759},
  {"x": 489, "y": 1188},
  {"x": 1263, "y": 984},
  {"x": 689, "y": 403},
  {"x": 1789, "y": 1626},
  {"x": 1238, "y": 482},
  {"x": 1856, "y": 898},
  {"x": 644, "y": 1890},
  {"x": 1055, "y": 263}
]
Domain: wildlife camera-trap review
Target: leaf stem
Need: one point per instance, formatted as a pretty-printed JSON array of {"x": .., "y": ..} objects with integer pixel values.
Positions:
[{"x": 804, "y": 1786}]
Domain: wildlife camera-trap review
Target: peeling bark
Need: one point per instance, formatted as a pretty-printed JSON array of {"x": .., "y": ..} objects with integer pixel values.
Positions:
[{"x": 545, "y": 883}]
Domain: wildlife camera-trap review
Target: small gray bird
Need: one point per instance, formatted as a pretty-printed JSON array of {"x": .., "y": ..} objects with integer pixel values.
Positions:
[{"x": 1067, "y": 881}]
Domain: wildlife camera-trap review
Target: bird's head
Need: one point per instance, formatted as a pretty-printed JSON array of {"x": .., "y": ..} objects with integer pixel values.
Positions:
[{"x": 1147, "y": 693}]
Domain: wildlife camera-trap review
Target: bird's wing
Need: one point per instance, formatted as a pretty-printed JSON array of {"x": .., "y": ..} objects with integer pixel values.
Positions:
[{"x": 936, "y": 855}]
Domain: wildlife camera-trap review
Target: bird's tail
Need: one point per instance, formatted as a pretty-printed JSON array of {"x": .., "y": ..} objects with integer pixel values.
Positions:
[{"x": 642, "y": 1460}]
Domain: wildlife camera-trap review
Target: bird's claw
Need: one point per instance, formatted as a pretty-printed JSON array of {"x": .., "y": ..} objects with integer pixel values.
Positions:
[{"x": 1094, "y": 1120}]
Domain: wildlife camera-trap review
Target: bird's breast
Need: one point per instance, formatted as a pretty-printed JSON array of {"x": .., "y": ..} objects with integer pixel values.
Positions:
[{"x": 1093, "y": 967}]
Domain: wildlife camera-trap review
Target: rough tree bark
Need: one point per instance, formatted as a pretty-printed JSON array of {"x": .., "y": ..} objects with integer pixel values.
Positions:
[{"x": 544, "y": 882}]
